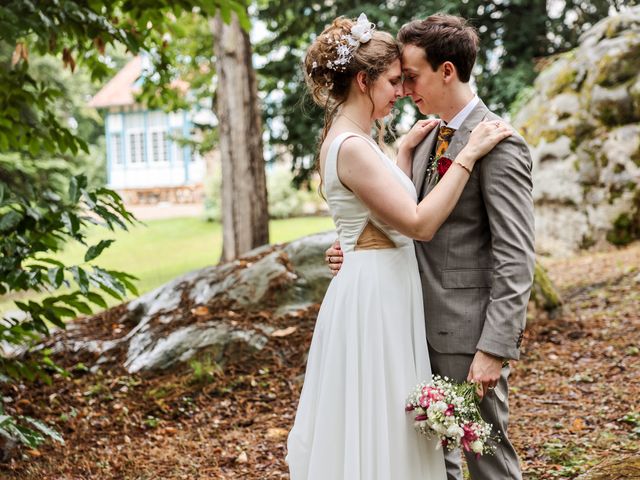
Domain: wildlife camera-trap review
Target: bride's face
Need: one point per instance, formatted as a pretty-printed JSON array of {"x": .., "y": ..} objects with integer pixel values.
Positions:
[{"x": 386, "y": 89}]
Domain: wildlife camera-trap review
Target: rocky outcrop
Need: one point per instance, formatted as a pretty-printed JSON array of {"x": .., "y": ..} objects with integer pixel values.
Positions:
[
  {"x": 583, "y": 124},
  {"x": 220, "y": 311}
]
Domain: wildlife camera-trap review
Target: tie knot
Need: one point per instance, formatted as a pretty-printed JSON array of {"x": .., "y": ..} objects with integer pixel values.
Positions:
[{"x": 446, "y": 134}]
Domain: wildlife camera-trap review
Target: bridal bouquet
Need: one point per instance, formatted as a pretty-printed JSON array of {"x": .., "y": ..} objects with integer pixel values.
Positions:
[{"x": 449, "y": 412}]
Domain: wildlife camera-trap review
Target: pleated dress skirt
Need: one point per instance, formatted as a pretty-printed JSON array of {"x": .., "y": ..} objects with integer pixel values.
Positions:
[{"x": 368, "y": 352}]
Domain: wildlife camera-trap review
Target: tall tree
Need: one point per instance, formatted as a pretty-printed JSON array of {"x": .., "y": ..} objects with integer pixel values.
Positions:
[{"x": 245, "y": 219}]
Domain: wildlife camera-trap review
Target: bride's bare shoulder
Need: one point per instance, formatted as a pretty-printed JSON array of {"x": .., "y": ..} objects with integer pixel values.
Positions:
[{"x": 328, "y": 141}]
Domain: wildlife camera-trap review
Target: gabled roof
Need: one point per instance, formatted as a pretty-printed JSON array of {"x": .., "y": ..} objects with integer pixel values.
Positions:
[{"x": 121, "y": 89}]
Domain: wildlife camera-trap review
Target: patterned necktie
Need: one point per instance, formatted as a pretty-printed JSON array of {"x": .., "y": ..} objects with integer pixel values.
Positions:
[
  {"x": 445, "y": 134},
  {"x": 444, "y": 138}
]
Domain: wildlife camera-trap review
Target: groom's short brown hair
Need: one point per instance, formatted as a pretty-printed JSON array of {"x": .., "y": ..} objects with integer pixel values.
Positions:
[{"x": 444, "y": 38}]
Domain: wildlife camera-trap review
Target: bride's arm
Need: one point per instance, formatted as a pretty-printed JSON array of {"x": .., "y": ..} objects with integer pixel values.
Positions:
[
  {"x": 362, "y": 171},
  {"x": 409, "y": 143}
]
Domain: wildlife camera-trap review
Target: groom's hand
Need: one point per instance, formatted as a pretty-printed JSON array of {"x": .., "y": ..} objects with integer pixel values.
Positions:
[
  {"x": 485, "y": 370},
  {"x": 333, "y": 257}
]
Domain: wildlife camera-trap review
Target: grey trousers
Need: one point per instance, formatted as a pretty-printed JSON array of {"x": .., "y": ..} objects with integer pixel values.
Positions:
[{"x": 504, "y": 465}]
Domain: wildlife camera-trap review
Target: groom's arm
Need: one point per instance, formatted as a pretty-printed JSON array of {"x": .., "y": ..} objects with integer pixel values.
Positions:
[{"x": 506, "y": 186}]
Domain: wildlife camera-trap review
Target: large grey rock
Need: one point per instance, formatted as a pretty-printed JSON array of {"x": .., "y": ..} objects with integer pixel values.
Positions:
[
  {"x": 199, "y": 312},
  {"x": 582, "y": 124}
]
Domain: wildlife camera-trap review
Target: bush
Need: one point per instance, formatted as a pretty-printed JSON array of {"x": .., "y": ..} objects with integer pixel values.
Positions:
[{"x": 36, "y": 220}]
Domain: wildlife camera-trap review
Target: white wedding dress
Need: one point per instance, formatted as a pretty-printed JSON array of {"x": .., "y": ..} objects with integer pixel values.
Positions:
[{"x": 368, "y": 352}]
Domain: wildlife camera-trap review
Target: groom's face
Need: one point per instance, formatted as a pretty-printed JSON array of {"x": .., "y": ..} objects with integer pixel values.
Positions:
[{"x": 421, "y": 83}]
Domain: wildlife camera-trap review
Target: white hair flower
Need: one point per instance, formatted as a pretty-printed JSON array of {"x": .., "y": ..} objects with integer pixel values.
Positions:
[{"x": 360, "y": 33}]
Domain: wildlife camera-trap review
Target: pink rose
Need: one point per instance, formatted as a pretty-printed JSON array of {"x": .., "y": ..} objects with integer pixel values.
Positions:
[{"x": 468, "y": 437}]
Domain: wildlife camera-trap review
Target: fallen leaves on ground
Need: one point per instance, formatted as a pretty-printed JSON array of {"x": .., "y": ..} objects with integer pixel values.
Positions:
[{"x": 574, "y": 395}]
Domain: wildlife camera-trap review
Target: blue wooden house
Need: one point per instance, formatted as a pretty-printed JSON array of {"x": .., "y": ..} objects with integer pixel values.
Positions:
[{"x": 144, "y": 163}]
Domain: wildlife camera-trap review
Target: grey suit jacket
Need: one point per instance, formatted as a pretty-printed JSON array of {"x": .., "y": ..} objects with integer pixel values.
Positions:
[{"x": 477, "y": 271}]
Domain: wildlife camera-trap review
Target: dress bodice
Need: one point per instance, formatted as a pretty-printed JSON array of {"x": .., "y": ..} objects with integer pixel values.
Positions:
[{"x": 350, "y": 214}]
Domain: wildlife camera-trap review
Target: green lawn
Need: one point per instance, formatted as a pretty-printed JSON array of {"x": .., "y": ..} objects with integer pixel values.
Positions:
[{"x": 161, "y": 250}]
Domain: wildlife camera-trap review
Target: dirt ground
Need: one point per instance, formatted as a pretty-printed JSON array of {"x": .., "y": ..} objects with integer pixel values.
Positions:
[{"x": 574, "y": 395}]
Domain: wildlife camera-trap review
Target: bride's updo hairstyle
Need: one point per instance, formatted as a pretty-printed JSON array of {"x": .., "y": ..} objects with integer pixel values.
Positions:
[{"x": 329, "y": 74}]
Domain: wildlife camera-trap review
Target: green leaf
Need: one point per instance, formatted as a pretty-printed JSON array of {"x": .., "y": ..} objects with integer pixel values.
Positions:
[
  {"x": 54, "y": 318},
  {"x": 56, "y": 276},
  {"x": 25, "y": 435},
  {"x": 225, "y": 13},
  {"x": 97, "y": 299},
  {"x": 132, "y": 288},
  {"x": 111, "y": 292},
  {"x": 73, "y": 190},
  {"x": 46, "y": 429},
  {"x": 34, "y": 147},
  {"x": 10, "y": 220},
  {"x": 51, "y": 261},
  {"x": 63, "y": 312},
  {"x": 81, "y": 278},
  {"x": 96, "y": 250}
]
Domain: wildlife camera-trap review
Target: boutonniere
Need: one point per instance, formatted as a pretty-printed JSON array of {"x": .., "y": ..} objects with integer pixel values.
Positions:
[{"x": 443, "y": 165}]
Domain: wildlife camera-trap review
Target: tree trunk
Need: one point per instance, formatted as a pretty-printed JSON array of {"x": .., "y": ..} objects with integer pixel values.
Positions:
[{"x": 245, "y": 219}]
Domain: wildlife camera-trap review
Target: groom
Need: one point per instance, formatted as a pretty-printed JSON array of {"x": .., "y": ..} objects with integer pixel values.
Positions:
[{"x": 477, "y": 270}]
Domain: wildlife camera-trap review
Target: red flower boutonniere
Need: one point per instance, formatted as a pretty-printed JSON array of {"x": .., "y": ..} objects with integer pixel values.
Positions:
[{"x": 443, "y": 165}]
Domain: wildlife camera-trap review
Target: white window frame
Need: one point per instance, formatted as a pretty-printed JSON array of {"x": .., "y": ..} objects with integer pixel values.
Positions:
[
  {"x": 140, "y": 147},
  {"x": 159, "y": 149},
  {"x": 116, "y": 148}
]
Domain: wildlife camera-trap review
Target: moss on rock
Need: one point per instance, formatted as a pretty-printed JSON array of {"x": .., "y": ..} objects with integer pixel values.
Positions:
[
  {"x": 543, "y": 293},
  {"x": 590, "y": 95},
  {"x": 626, "y": 227},
  {"x": 617, "y": 69}
]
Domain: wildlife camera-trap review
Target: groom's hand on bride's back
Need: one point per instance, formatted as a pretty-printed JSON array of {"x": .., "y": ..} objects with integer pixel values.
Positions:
[{"x": 333, "y": 257}]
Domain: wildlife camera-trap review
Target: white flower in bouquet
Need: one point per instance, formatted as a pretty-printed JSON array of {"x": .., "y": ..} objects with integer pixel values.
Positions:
[
  {"x": 477, "y": 446},
  {"x": 449, "y": 412},
  {"x": 454, "y": 431}
]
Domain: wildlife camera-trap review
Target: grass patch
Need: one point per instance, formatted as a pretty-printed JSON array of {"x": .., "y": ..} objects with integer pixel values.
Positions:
[{"x": 164, "y": 249}]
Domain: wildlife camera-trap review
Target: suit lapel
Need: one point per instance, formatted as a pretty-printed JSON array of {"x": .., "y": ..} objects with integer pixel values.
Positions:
[
  {"x": 461, "y": 137},
  {"x": 421, "y": 156}
]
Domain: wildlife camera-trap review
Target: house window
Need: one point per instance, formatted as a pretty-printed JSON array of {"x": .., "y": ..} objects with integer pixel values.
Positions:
[
  {"x": 159, "y": 151},
  {"x": 136, "y": 147},
  {"x": 116, "y": 148}
]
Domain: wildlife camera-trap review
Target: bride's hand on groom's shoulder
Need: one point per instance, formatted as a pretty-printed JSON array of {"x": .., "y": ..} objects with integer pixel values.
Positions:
[
  {"x": 417, "y": 133},
  {"x": 485, "y": 136},
  {"x": 333, "y": 257}
]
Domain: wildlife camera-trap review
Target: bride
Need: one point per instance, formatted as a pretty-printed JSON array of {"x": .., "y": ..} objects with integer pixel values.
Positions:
[{"x": 369, "y": 345}]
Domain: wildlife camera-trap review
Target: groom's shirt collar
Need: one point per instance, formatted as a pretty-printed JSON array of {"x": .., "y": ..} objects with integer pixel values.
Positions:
[{"x": 456, "y": 122}]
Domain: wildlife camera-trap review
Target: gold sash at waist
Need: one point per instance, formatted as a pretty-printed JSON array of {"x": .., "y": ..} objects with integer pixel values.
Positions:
[{"x": 372, "y": 238}]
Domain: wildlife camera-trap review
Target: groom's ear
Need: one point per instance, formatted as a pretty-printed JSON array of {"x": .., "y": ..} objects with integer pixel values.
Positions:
[
  {"x": 361, "y": 80},
  {"x": 449, "y": 71}
]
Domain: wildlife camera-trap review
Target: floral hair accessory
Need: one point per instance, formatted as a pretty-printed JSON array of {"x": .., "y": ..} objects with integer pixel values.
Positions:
[{"x": 360, "y": 33}]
